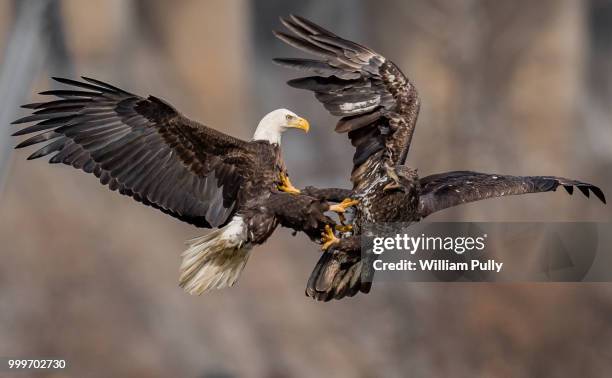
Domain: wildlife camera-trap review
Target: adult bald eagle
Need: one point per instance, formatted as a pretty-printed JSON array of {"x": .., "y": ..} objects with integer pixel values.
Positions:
[
  {"x": 379, "y": 108},
  {"x": 146, "y": 149}
]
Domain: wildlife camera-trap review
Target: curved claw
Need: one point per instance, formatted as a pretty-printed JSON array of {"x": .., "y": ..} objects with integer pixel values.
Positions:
[
  {"x": 289, "y": 189},
  {"x": 342, "y": 206},
  {"x": 328, "y": 238},
  {"x": 344, "y": 228},
  {"x": 286, "y": 185}
]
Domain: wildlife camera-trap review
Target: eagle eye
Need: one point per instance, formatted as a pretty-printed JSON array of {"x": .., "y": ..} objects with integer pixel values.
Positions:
[{"x": 288, "y": 117}]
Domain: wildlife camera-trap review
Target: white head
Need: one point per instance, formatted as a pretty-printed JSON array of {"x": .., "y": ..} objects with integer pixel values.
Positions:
[{"x": 273, "y": 124}]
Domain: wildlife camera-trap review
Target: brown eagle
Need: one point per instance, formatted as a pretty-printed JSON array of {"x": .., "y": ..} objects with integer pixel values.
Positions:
[
  {"x": 379, "y": 108},
  {"x": 145, "y": 149}
]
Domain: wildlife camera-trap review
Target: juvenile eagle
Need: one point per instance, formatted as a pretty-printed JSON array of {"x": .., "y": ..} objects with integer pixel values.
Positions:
[
  {"x": 379, "y": 107},
  {"x": 146, "y": 149}
]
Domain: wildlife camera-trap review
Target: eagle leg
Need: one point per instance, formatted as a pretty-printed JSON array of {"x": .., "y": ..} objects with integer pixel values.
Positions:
[
  {"x": 342, "y": 206},
  {"x": 286, "y": 185},
  {"x": 328, "y": 238}
]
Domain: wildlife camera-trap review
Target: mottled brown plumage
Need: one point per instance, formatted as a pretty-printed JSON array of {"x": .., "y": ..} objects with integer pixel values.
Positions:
[
  {"x": 145, "y": 149},
  {"x": 379, "y": 107},
  {"x": 378, "y": 104}
]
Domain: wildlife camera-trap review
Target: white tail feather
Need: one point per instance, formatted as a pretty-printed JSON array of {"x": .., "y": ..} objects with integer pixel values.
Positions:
[{"x": 215, "y": 260}]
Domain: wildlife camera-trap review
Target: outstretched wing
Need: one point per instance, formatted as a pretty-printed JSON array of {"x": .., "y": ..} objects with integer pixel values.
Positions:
[
  {"x": 141, "y": 147},
  {"x": 450, "y": 189},
  {"x": 378, "y": 104}
]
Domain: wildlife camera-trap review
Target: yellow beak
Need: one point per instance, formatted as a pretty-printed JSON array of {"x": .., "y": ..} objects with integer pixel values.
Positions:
[{"x": 300, "y": 123}]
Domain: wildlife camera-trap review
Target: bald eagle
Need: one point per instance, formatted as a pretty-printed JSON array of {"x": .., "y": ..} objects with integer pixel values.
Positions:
[
  {"x": 379, "y": 107},
  {"x": 145, "y": 149}
]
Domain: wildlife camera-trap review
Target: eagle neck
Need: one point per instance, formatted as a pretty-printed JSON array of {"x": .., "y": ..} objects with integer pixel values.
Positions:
[{"x": 266, "y": 134}]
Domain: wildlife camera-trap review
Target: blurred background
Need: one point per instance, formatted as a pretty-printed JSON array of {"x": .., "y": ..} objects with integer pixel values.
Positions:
[{"x": 519, "y": 87}]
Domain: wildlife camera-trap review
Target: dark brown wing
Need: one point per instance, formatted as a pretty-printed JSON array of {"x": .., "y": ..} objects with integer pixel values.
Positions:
[
  {"x": 450, "y": 189},
  {"x": 141, "y": 147},
  {"x": 327, "y": 194},
  {"x": 378, "y": 104}
]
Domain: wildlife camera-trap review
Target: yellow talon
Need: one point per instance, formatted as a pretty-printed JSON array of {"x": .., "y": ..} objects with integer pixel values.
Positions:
[
  {"x": 286, "y": 185},
  {"x": 328, "y": 238},
  {"x": 342, "y": 206},
  {"x": 344, "y": 228}
]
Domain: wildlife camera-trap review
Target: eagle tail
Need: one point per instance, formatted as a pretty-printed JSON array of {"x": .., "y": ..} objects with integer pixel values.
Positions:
[{"x": 215, "y": 260}]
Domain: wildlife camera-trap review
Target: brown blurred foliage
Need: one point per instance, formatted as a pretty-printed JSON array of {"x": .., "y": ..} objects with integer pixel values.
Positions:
[{"x": 517, "y": 87}]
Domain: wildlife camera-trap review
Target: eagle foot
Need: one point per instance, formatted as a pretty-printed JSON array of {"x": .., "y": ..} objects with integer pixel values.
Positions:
[
  {"x": 328, "y": 238},
  {"x": 344, "y": 228},
  {"x": 286, "y": 185},
  {"x": 342, "y": 206}
]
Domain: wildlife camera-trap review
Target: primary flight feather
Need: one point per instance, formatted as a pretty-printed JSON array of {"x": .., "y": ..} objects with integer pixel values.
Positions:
[
  {"x": 379, "y": 107},
  {"x": 144, "y": 148}
]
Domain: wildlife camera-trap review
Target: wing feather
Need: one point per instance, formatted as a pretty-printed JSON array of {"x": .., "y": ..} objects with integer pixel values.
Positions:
[
  {"x": 141, "y": 147},
  {"x": 444, "y": 190},
  {"x": 362, "y": 87}
]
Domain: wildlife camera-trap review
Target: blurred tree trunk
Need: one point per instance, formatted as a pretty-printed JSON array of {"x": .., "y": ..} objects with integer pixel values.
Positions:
[
  {"x": 207, "y": 43},
  {"x": 598, "y": 96},
  {"x": 35, "y": 37}
]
